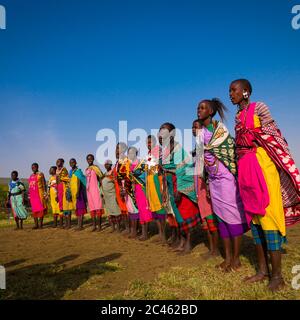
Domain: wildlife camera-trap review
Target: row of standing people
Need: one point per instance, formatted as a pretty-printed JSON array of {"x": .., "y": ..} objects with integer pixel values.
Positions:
[{"x": 229, "y": 187}]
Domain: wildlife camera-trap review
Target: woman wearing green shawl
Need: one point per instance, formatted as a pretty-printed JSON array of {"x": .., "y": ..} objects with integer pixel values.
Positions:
[{"x": 179, "y": 184}]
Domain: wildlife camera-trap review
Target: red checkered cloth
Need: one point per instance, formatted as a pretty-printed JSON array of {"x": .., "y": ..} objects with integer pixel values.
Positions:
[
  {"x": 114, "y": 219},
  {"x": 190, "y": 224}
]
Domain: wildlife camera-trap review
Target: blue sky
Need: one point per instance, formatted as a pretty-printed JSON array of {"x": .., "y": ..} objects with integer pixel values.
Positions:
[{"x": 69, "y": 68}]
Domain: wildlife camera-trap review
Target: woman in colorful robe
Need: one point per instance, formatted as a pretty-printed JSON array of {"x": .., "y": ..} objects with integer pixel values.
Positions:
[
  {"x": 78, "y": 192},
  {"x": 178, "y": 166},
  {"x": 16, "y": 199},
  {"x": 53, "y": 197},
  {"x": 93, "y": 175},
  {"x": 209, "y": 219},
  {"x": 121, "y": 149},
  {"x": 127, "y": 190},
  {"x": 110, "y": 200},
  {"x": 64, "y": 192},
  {"x": 154, "y": 186},
  {"x": 268, "y": 178},
  {"x": 220, "y": 165},
  {"x": 139, "y": 186},
  {"x": 37, "y": 195}
]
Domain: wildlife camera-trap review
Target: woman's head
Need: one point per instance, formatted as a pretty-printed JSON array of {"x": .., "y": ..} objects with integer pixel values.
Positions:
[
  {"x": 14, "y": 175},
  {"x": 121, "y": 149},
  {"x": 90, "y": 159},
  {"x": 151, "y": 142},
  {"x": 60, "y": 162},
  {"x": 108, "y": 165},
  {"x": 240, "y": 91},
  {"x": 166, "y": 134},
  {"x": 132, "y": 153},
  {"x": 52, "y": 170},
  {"x": 207, "y": 109},
  {"x": 73, "y": 163},
  {"x": 35, "y": 167},
  {"x": 197, "y": 125}
]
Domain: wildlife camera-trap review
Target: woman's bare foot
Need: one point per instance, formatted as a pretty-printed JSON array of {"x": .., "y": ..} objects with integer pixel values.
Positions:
[
  {"x": 186, "y": 250},
  {"x": 224, "y": 266},
  {"x": 131, "y": 236},
  {"x": 179, "y": 248},
  {"x": 162, "y": 240},
  {"x": 236, "y": 264},
  {"x": 125, "y": 232},
  {"x": 276, "y": 283},
  {"x": 143, "y": 238},
  {"x": 258, "y": 277}
]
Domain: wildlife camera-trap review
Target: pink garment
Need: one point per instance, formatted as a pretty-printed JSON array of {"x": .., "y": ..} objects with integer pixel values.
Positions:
[
  {"x": 225, "y": 197},
  {"x": 141, "y": 201},
  {"x": 253, "y": 188},
  {"x": 154, "y": 152},
  {"x": 60, "y": 195},
  {"x": 34, "y": 194},
  {"x": 132, "y": 209},
  {"x": 92, "y": 190},
  {"x": 204, "y": 203}
]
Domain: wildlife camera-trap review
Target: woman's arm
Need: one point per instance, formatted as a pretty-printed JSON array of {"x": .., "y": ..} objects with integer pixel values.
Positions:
[{"x": 263, "y": 112}]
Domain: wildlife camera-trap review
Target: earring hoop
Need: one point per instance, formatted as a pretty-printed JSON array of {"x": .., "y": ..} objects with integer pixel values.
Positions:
[{"x": 245, "y": 95}]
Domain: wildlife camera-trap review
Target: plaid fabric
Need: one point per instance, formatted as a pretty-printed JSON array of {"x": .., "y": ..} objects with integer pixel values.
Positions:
[
  {"x": 97, "y": 213},
  {"x": 114, "y": 219},
  {"x": 158, "y": 216},
  {"x": 272, "y": 238},
  {"x": 124, "y": 216},
  {"x": 189, "y": 224},
  {"x": 133, "y": 216},
  {"x": 210, "y": 223}
]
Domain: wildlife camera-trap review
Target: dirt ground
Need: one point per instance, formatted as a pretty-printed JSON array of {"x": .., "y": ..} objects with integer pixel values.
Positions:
[{"x": 67, "y": 264}]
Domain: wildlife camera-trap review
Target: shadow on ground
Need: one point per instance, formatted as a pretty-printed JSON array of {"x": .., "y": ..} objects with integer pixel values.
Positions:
[{"x": 53, "y": 280}]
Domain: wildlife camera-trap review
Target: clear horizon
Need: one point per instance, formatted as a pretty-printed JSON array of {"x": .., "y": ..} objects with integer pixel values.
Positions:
[{"x": 71, "y": 69}]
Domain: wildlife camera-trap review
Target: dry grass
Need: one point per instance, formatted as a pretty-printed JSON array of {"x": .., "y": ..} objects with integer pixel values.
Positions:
[{"x": 114, "y": 268}]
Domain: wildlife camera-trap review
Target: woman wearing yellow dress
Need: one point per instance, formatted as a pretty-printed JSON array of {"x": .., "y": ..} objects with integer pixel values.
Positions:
[
  {"x": 268, "y": 179},
  {"x": 52, "y": 196}
]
